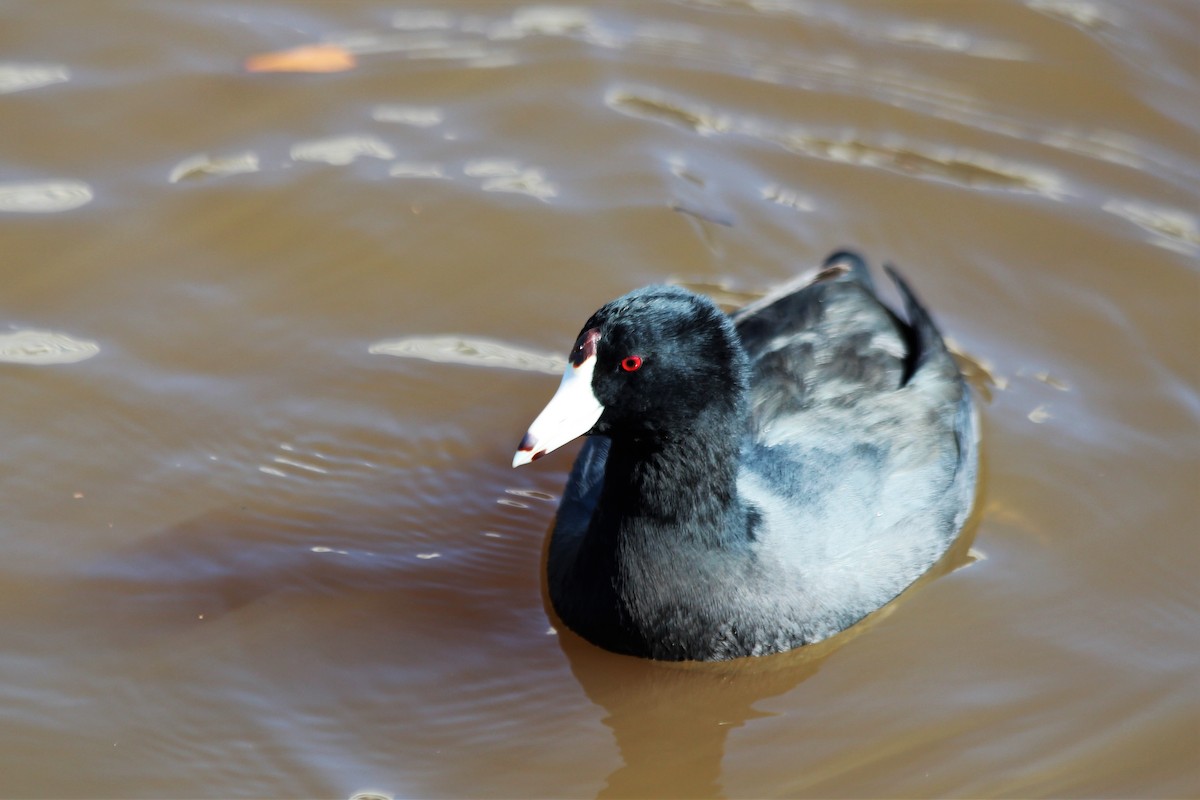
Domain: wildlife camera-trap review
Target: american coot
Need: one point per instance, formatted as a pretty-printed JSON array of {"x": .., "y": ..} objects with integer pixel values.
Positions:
[{"x": 758, "y": 481}]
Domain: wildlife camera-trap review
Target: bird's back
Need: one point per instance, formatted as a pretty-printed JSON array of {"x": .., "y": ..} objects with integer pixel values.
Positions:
[{"x": 861, "y": 457}]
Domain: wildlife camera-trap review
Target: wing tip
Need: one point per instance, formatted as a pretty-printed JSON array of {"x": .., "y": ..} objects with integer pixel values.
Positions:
[{"x": 925, "y": 338}]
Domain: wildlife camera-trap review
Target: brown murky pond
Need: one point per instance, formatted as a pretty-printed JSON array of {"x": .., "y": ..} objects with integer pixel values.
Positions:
[{"x": 268, "y": 340}]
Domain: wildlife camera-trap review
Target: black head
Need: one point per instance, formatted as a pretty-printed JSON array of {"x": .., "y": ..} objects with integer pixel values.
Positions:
[
  {"x": 658, "y": 362},
  {"x": 665, "y": 360}
]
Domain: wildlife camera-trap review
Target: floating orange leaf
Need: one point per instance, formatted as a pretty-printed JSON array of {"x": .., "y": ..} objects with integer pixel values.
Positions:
[{"x": 308, "y": 58}]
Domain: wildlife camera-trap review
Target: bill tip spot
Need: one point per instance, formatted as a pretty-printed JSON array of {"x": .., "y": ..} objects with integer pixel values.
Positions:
[
  {"x": 527, "y": 452},
  {"x": 524, "y": 451}
]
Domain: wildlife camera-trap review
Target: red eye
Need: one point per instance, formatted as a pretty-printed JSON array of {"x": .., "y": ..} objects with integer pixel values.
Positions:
[{"x": 631, "y": 363}]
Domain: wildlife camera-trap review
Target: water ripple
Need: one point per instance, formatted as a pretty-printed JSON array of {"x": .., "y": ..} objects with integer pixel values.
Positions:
[
  {"x": 203, "y": 164},
  {"x": 1168, "y": 227},
  {"x": 341, "y": 150},
  {"x": 44, "y": 347},
  {"x": 19, "y": 77},
  {"x": 416, "y": 116},
  {"x": 43, "y": 197},
  {"x": 472, "y": 352},
  {"x": 960, "y": 166},
  {"x": 505, "y": 176},
  {"x": 1080, "y": 13}
]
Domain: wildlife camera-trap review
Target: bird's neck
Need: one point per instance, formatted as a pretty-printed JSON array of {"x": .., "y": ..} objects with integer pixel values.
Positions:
[
  {"x": 665, "y": 507},
  {"x": 681, "y": 489}
]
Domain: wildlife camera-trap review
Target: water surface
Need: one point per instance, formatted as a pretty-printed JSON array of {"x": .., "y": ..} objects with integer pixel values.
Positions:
[{"x": 268, "y": 340}]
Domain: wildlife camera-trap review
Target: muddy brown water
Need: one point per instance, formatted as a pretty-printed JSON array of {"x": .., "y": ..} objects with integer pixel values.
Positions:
[{"x": 269, "y": 341}]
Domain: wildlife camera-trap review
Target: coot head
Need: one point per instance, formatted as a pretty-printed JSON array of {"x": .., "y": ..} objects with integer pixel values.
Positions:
[{"x": 656, "y": 362}]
